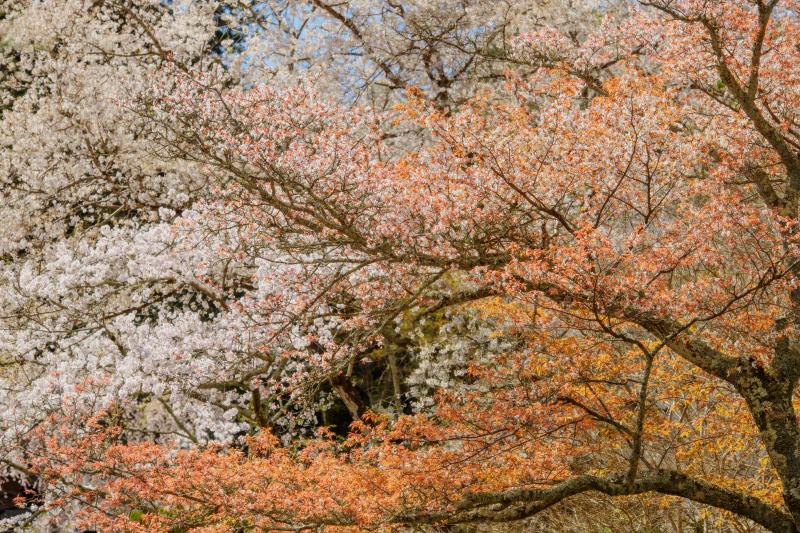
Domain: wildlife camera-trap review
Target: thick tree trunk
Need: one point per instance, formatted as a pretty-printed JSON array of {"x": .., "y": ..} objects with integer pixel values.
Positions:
[
  {"x": 770, "y": 403},
  {"x": 350, "y": 395}
]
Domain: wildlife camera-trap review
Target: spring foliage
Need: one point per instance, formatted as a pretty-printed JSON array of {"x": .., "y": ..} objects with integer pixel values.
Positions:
[{"x": 587, "y": 272}]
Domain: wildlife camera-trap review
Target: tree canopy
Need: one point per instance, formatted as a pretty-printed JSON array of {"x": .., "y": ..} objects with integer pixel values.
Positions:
[{"x": 370, "y": 265}]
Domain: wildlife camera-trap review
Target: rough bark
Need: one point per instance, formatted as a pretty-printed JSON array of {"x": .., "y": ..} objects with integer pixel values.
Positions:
[
  {"x": 521, "y": 503},
  {"x": 770, "y": 402}
]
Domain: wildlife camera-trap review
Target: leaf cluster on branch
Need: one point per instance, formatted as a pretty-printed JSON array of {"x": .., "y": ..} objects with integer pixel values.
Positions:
[{"x": 534, "y": 263}]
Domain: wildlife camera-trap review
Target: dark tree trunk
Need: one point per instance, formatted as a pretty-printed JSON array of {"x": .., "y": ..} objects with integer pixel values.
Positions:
[{"x": 770, "y": 402}]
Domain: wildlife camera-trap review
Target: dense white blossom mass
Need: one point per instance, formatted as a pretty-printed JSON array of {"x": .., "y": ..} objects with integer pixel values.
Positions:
[{"x": 118, "y": 289}]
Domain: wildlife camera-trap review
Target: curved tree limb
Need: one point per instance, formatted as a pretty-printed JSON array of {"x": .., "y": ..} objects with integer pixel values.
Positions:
[{"x": 517, "y": 504}]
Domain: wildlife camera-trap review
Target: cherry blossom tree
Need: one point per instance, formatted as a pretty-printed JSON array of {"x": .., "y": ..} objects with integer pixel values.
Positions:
[
  {"x": 80, "y": 188},
  {"x": 373, "y": 50},
  {"x": 122, "y": 287},
  {"x": 595, "y": 268}
]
